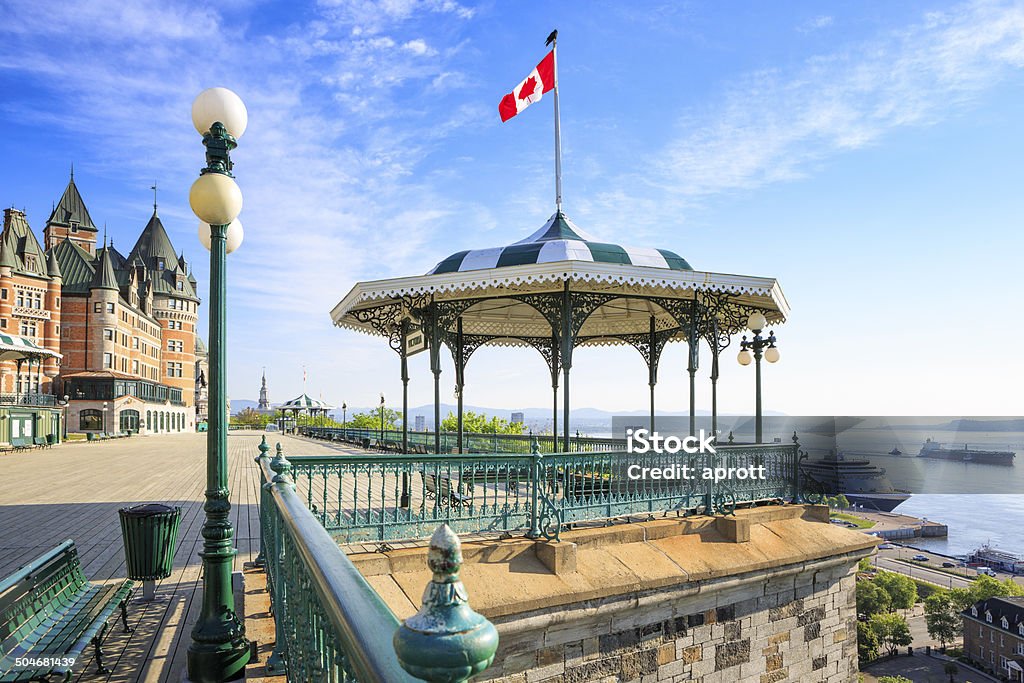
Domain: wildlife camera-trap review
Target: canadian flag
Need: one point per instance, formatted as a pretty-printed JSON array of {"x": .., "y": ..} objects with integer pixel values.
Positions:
[{"x": 533, "y": 87}]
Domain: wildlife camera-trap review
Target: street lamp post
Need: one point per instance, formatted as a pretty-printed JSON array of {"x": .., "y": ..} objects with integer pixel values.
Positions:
[
  {"x": 344, "y": 419},
  {"x": 64, "y": 404},
  {"x": 104, "y": 425},
  {"x": 382, "y": 418},
  {"x": 760, "y": 346},
  {"x": 219, "y": 650}
]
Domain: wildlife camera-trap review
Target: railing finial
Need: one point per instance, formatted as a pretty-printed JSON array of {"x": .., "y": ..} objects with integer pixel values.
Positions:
[
  {"x": 446, "y": 640},
  {"x": 280, "y": 464},
  {"x": 534, "y": 445},
  {"x": 263, "y": 448}
]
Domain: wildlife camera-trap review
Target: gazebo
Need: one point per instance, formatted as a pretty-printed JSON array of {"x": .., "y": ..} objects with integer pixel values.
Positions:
[
  {"x": 27, "y": 413},
  {"x": 304, "y": 404},
  {"x": 555, "y": 291}
]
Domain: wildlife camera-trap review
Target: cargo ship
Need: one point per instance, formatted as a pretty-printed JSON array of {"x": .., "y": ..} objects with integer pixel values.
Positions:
[
  {"x": 861, "y": 482},
  {"x": 938, "y": 451}
]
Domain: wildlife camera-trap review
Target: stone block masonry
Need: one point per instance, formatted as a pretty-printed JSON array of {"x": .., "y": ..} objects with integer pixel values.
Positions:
[{"x": 641, "y": 604}]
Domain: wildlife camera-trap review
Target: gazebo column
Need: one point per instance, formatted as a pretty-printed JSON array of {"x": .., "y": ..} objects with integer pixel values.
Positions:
[
  {"x": 554, "y": 392},
  {"x": 566, "y": 357},
  {"x": 652, "y": 368},
  {"x": 460, "y": 376},
  {"x": 714, "y": 388},
  {"x": 691, "y": 367},
  {"x": 435, "y": 368},
  {"x": 17, "y": 380},
  {"x": 404, "y": 500}
]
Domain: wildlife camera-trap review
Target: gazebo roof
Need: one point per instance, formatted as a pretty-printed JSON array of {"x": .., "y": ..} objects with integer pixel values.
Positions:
[
  {"x": 13, "y": 347},
  {"x": 304, "y": 402},
  {"x": 559, "y": 240},
  {"x": 502, "y": 293}
]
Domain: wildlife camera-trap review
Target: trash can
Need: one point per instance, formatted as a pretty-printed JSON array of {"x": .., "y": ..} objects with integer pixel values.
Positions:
[{"x": 150, "y": 534}]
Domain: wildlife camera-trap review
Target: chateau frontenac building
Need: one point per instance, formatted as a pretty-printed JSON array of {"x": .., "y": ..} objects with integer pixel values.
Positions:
[{"x": 120, "y": 329}]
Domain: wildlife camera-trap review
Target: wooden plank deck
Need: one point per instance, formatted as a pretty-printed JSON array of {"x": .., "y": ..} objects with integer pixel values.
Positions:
[{"x": 75, "y": 490}]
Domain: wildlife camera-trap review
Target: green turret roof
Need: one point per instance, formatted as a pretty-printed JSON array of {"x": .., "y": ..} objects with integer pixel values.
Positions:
[
  {"x": 29, "y": 258},
  {"x": 104, "y": 277},
  {"x": 8, "y": 258},
  {"x": 52, "y": 267},
  {"x": 154, "y": 248},
  {"x": 76, "y": 266},
  {"x": 71, "y": 209}
]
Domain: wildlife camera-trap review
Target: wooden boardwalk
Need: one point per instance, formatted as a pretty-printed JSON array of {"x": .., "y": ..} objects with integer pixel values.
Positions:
[{"x": 75, "y": 490}]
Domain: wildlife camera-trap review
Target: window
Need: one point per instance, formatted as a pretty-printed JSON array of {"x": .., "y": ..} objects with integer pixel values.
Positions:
[
  {"x": 988, "y": 617},
  {"x": 174, "y": 370},
  {"x": 74, "y": 226},
  {"x": 108, "y": 361},
  {"x": 1005, "y": 623},
  {"x": 3, "y": 323},
  {"x": 3, "y": 293},
  {"x": 108, "y": 334},
  {"x": 58, "y": 330},
  {"x": 181, "y": 285},
  {"x": 135, "y": 367},
  {"x": 91, "y": 419},
  {"x": 110, "y": 308},
  {"x": 58, "y": 302},
  {"x": 160, "y": 264},
  {"x": 27, "y": 329},
  {"x": 1020, "y": 629},
  {"x": 97, "y": 307},
  {"x": 176, "y": 345},
  {"x": 129, "y": 420}
]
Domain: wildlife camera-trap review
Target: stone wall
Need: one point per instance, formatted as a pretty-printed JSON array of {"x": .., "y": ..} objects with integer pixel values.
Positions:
[{"x": 787, "y": 624}]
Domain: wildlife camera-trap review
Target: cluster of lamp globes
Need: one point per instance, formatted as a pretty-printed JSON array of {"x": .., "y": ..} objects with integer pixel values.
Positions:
[
  {"x": 755, "y": 323},
  {"x": 215, "y": 197}
]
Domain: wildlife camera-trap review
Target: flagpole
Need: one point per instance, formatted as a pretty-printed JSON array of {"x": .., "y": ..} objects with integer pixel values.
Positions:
[{"x": 558, "y": 128}]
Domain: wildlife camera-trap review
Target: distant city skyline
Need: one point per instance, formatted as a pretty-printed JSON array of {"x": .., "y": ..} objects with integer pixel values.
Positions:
[{"x": 868, "y": 157}]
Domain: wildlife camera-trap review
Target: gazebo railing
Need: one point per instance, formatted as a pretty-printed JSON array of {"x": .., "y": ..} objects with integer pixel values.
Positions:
[
  {"x": 380, "y": 497},
  {"x": 473, "y": 442},
  {"x": 28, "y": 399}
]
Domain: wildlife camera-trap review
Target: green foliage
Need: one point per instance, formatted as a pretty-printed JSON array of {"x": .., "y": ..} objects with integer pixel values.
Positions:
[
  {"x": 477, "y": 423},
  {"x": 983, "y": 588},
  {"x": 925, "y": 589},
  {"x": 894, "y": 679},
  {"x": 864, "y": 565},
  {"x": 371, "y": 419},
  {"x": 867, "y": 642},
  {"x": 901, "y": 589},
  {"x": 942, "y": 614},
  {"x": 839, "y": 501},
  {"x": 250, "y": 418},
  {"x": 891, "y": 630},
  {"x": 872, "y": 599}
]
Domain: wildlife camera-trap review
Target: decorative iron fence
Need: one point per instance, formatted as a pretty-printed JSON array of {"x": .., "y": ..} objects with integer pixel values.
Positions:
[
  {"x": 423, "y": 442},
  {"x": 330, "y": 624},
  {"x": 379, "y": 497}
]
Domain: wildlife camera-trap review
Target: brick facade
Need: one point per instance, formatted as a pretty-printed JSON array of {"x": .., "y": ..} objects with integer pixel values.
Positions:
[{"x": 994, "y": 636}]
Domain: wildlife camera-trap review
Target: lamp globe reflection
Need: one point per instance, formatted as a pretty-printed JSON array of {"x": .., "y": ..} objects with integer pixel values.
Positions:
[{"x": 234, "y": 237}]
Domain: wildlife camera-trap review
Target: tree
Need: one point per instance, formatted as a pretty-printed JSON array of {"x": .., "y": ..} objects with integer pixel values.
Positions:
[
  {"x": 942, "y": 614},
  {"x": 864, "y": 565},
  {"x": 891, "y": 630},
  {"x": 894, "y": 679},
  {"x": 871, "y": 599},
  {"x": 867, "y": 642},
  {"x": 371, "y": 419},
  {"x": 952, "y": 669},
  {"x": 477, "y": 423},
  {"x": 901, "y": 589},
  {"x": 252, "y": 418}
]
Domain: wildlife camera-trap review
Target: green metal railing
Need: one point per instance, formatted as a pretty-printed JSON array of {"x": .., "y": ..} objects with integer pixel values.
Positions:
[
  {"x": 379, "y": 497},
  {"x": 391, "y": 439}
]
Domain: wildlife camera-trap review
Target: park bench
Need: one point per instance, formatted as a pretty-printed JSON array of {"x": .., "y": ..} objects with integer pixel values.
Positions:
[
  {"x": 21, "y": 443},
  {"x": 442, "y": 490},
  {"x": 40, "y": 442},
  {"x": 50, "y": 613}
]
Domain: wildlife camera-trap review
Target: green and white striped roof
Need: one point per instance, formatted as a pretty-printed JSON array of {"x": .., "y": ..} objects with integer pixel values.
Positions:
[
  {"x": 559, "y": 240},
  {"x": 13, "y": 347},
  {"x": 304, "y": 402}
]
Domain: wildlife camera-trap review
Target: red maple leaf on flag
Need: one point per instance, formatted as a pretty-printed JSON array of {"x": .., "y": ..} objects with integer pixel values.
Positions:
[{"x": 529, "y": 86}]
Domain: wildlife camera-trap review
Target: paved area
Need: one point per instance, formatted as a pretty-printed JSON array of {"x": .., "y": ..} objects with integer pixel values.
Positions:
[
  {"x": 895, "y": 522},
  {"x": 74, "y": 491},
  {"x": 921, "y": 669}
]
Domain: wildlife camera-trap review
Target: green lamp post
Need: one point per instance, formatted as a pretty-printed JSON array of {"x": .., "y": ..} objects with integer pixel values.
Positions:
[
  {"x": 219, "y": 650},
  {"x": 760, "y": 345}
]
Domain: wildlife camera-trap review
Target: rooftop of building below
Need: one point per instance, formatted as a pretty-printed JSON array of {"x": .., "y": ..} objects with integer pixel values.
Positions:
[{"x": 515, "y": 576}]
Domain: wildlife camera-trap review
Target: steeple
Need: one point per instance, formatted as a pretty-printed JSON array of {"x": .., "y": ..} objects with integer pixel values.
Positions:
[
  {"x": 104, "y": 277},
  {"x": 264, "y": 402},
  {"x": 71, "y": 209},
  {"x": 52, "y": 267}
]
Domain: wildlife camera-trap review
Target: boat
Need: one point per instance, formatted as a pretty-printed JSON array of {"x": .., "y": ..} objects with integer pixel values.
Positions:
[
  {"x": 861, "y": 482},
  {"x": 1000, "y": 559},
  {"x": 939, "y": 451},
  {"x": 896, "y": 451}
]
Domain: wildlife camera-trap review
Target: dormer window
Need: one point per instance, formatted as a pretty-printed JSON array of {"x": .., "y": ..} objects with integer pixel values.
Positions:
[
  {"x": 988, "y": 617},
  {"x": 974, "y": 611},
  {"x": 181, "y": 285},
  {"x": 30, "y": 261},
  {"x": 74, "y": 226},
  {"x": 1005, "y": 622},
  {"x": 160, "y": 264},
  {"x": 1020, "y": 630}
]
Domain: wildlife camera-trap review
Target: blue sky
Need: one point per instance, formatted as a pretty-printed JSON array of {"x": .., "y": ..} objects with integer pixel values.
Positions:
[{"x": 866, "y": 154}]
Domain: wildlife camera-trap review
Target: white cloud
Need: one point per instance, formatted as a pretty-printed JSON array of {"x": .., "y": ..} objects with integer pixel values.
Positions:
[
  {"x": 419, "y": 47},
  {"x": 771, "y": 125},
  {"x": 815, "y": 23}
]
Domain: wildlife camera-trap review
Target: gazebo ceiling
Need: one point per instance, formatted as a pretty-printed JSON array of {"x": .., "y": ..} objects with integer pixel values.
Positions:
[{"x": 502, "y": 292}]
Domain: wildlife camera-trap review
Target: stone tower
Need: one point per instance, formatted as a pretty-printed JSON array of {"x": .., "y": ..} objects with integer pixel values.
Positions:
[{"x": 264, "y": 403}]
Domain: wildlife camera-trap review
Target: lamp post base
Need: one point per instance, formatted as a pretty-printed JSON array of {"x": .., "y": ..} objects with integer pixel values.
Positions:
[{"x": 216, "y": 662}]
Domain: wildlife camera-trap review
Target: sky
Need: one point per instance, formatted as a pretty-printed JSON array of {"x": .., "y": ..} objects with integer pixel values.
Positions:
[{"x": 866, "y": 154}]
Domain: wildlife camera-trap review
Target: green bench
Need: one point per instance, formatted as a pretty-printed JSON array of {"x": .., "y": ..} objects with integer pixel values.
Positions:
[
  {"x": 21, "y": 443},
  {"x": 50, "y": 613},
  {"x": 40, "y": 442}
]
